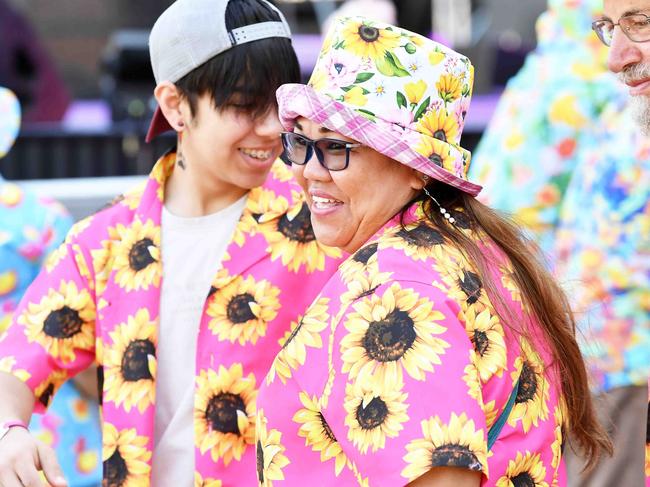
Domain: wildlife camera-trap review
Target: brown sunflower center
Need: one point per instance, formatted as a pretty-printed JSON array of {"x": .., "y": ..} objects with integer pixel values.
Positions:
[
  {"x": 260, "y": 463},
  {"x": 373, "y": 415},
  {"x": 63, "y": 323},
  {"x": 364, "y": 254},
  {"x": 222, "y": 412},
  {"x": 440, "y": 135},
  {"x": 436, "y": 159},
  {"x": 139, "y": 255},
  {"x": 368, "y": 33},
  {"x": 481, "y": 342},
  {"x": 527, "y": 384},
  {"x": 239, "y": 310},
  {"x": 421, "y": 236},
  {"x": 135, "y": 362},
  {"x": 471, "y": 286},
  {"x": 326, "y": 428},
  {"x": 46, "y": 395},
  {"x": 452, "y": 455},
  {"x": 115, "y": 471},
  {"x": 299, "y": 229},
  {"x": 389, "y": 339},
  {"x": 522, "y": 480}
]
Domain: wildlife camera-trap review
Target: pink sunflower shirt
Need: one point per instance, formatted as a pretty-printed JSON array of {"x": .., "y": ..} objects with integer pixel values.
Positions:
[
  {"x": 97, "y": 300},
  {"x": 402, "y": 364}
]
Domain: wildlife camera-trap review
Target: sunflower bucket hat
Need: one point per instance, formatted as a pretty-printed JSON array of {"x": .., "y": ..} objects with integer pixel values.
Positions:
[
  {"x": 9, "y": 120},
  {"x": 395, "y": 91}
]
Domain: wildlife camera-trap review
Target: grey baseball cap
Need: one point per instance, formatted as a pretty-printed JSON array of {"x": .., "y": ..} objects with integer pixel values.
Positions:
[{"x": 191, "y": 32}]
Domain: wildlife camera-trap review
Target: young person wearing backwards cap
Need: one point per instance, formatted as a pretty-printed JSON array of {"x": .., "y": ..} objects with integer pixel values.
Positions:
[{"x": 183, "y": 290}]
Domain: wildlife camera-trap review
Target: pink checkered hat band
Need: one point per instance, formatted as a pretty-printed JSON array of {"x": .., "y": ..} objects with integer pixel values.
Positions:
[
  {"x": 296, "y": 100},
  {"x": 393, "y": 90}
]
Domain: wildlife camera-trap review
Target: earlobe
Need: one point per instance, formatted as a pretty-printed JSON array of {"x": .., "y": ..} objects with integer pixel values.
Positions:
[
  {"x": 170, "y": 103},
  {"x": 418, "y": 180}
]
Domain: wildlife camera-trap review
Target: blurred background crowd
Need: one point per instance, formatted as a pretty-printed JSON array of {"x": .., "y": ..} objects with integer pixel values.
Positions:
[
  {"x": 547, "y": 126},
  {"x": 81, "y": 70}
]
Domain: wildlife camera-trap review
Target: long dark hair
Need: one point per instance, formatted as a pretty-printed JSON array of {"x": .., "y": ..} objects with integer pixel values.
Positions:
[{"x": 540, "y": 293}]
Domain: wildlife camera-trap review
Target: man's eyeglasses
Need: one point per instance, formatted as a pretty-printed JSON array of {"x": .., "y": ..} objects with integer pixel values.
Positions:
[
  {"x": 635, "y": 26},
  {"x": 333, "y": 154}
]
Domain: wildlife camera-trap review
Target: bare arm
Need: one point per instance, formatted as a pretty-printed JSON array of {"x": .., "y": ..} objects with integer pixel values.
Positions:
[
  {"x": 448, "y": 477},
  {"x": 21, "y": 455},
  {"x": 17, "y": 399},
  {"x": 86, "y": 383}
]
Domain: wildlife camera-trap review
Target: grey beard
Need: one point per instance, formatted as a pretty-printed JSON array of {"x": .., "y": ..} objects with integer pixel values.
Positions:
[
  {"x": 640, "y": 104},
  {"x": 640, "y": 109}
]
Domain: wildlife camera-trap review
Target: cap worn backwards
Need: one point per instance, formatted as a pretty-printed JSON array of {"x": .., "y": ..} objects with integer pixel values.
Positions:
[{"x": 190, "y": 33}]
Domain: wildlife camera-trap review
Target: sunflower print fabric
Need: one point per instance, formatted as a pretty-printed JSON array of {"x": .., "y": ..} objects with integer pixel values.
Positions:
[
  {"x": 97, "y": 300},
  {"x": 402, "y": 364},
  {"x": 380, "y": 81}
]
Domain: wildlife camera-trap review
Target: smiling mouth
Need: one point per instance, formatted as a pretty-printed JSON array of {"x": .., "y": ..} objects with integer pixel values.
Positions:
[
  {"x": 636, "y": 82},
  {"x": 323, "y": 203},
  {"x": 261, "y": 155}
]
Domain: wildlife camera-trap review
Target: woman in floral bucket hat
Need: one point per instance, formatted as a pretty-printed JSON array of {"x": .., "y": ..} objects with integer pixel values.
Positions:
[{"x": 441, "y": 341}]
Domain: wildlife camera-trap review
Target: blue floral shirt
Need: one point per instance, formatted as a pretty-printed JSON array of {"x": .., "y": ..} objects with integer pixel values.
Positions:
[
  {"x": 30, "y": 228},
  {"x": 603, "y": 252},
  {"x": 544, "y": 120},
  {"x": 560, "y": 158}
]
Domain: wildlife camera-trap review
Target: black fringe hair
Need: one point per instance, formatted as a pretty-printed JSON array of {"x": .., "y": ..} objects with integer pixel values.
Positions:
[{"x": 246, "y": 76}]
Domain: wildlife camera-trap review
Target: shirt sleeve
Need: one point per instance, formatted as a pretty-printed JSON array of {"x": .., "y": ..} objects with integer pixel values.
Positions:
[
  {"x": 405, "y": 393},
  {"x": 52, "y": 333}
]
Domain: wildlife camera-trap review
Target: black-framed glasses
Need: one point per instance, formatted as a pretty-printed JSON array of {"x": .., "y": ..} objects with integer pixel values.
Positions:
[
  {"x": 332, "y": 154},
  {"x": 635, "y": 26}
]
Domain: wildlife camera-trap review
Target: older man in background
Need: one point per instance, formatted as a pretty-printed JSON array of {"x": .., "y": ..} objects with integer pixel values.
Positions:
[
  {"x": 603, "y": 246},
  {"x": 565, "y": 141}
]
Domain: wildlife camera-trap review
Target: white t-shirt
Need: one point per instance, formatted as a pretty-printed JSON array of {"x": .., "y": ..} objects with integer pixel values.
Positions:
[{"x": 192, "y": 250}]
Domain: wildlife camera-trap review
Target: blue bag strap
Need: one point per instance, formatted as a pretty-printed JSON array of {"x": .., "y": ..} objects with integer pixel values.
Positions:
[{"x": 498, "y": 425}]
